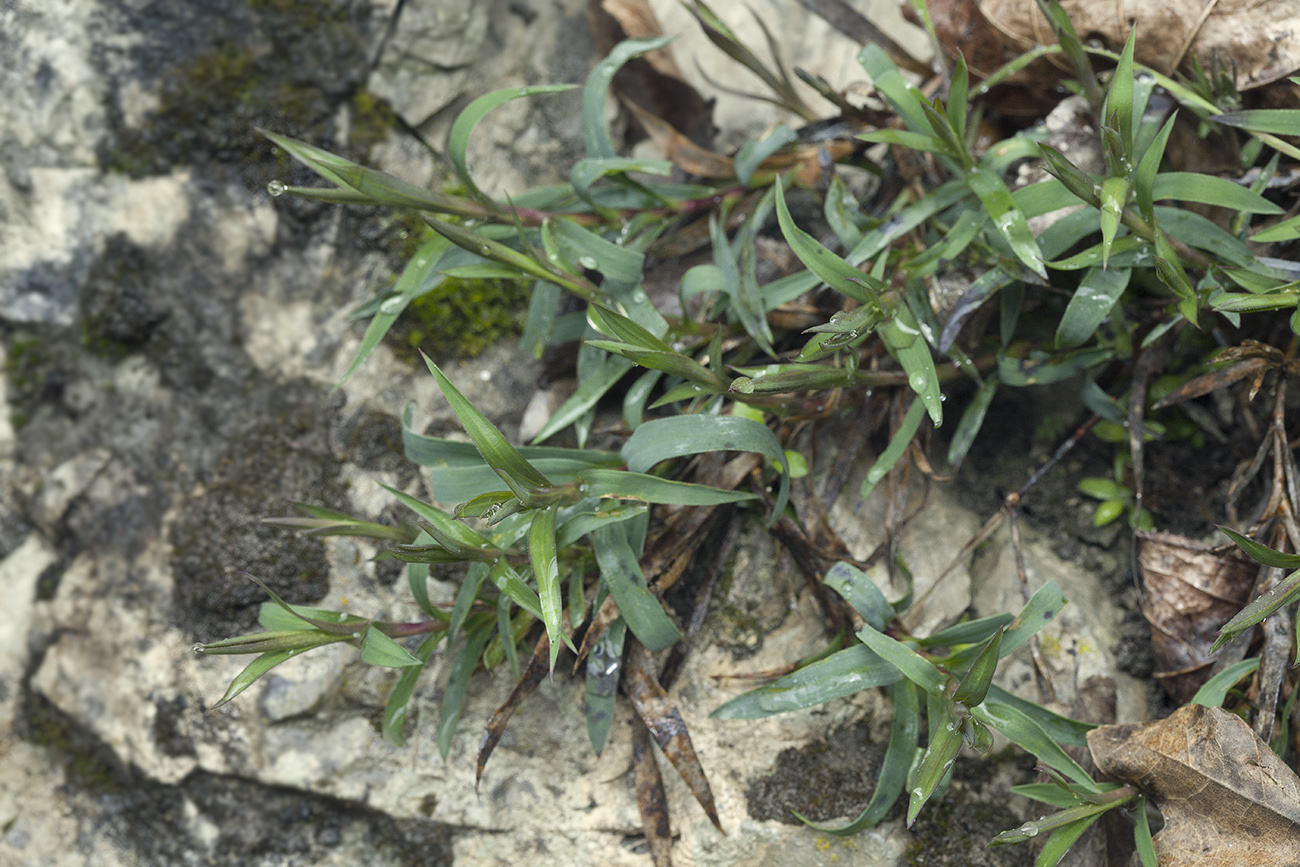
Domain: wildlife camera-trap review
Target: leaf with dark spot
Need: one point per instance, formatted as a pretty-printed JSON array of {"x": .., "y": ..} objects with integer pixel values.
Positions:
[
  {"x": 532, "y": 676},
  {"x": 666, "y": 724},
  {"x": 650, "y": 797}
]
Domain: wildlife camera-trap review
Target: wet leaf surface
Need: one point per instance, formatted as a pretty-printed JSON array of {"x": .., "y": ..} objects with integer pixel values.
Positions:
[
  {"x": 664, "y": 721},
  {"x": 1226, "y": 798},
  {"x": 1191, "y": 591}
]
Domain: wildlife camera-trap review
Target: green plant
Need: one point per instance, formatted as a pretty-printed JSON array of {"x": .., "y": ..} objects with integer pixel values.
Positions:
[{"x": 556, "y": 536}]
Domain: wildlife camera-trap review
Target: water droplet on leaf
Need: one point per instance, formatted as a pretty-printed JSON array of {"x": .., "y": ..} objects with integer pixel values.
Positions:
[{"x": 276, "y": 188}]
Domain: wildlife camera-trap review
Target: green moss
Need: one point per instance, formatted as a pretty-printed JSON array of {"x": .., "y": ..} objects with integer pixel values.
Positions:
[
  {"x": 25, "y": 369},
  {"x": 289, "y": 66},
  {"x": 460, "y": 318}
]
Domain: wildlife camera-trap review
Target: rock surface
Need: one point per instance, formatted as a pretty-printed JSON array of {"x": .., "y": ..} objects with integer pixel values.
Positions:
[{"x": 170, "y": 337}]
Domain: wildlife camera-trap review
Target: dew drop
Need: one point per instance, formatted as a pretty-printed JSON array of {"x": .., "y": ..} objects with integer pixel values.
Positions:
[
  {"x": 391, "y": 306},
  {"x": 917, "y": 381},
  {"x": 588, "y": 262},
  {"x": 485, "y": 249},
  {"x": 198, "y": 648},
  {"x": 276, "y": 188}
]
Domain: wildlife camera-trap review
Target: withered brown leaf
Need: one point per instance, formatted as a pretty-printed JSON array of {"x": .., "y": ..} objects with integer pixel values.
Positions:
[
  {"x": 1226, "y": 798},
  {"x": 528, "y": 681},
  {"x": 664, "y": 721},
  {"x": 1190, "y": 591},
  {"x": 650, "y": 797}
]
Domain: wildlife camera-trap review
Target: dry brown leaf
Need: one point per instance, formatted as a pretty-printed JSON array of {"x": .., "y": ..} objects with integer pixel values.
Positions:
[
  {"x": 653, "y": 82},
  {"x": 1191, "y": 590},
  {"x": 638, "y": 21},
  {"x": 666, "y": 724},
  {"x": 650, "y": 797},
  {"x": 528, "y": 681},
  {"x": 1261, "y": 36},
  {"x": 1227, "y": 799}
]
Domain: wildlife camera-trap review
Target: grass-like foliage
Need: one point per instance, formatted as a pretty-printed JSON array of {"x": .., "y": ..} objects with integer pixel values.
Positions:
[{"x": 555, "y": 539}]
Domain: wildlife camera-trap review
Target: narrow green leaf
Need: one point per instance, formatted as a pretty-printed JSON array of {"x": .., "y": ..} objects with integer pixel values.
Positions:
[
  {"x": 1146, "y": 847},
  {"x": 661, "y": 439},
  {"x": 252, "y": 672},
  {"x": 468, "y": 119},
  {"x": 1276, "y": 121},
  {"x": 842, "y": 673},
  {"x": 1119, "y": 96},
  {"x": 1076, "y": 181},
  {"x": 1262, "y": 553},
  {"x": 1114, "y": 198},
  {"x": 277, "y": 617},
  {"x": 971, "y": 421},
  {"x": 902, "y": 337},
  {"x": 844, "y": 214},
  {"x": 378, "y": 649},
  {"x": 831, "y": 269},
  {"x": 1197, "y": 231},
  {"x": 1287, "y": 230},
  {"x": 914, "y": 667},
  {"x": 1063, "y": 839},
  {"x": 1211, "y": 190},
  {"x": 974, "y": 685},
  {"x": 418, "y": 277},
  {"x": 1008, "y": 219},
  {"x": 587, "y": 171},
  {"x": 1065, "y": 731},
  {"x": 1041, "y": 608},
  {"x": 667, "y": 361},
  {"x": 1281, "y": 595},
  {"x": 590, "y": 391},
  {"x": 592, "y": 251},
  {"x": 860, "y": 592},
  {"x": 395, "y": 710},
  {"x": 621, "y": 328},
  {"x": 604, "y": 667},
  {"x": 1146, "y": 177},
  {"x": 1215, "y": 690},
  {"x": 967, "y": 632},
  {"x": 297, "y": 640},
  {"x": 621, "y": 572},
  {"x": 904, "y": 732},
  {"x": 915, "y": 141},
  {"x": 491, "y": 444},
  {"x": 443, "y": 523},
  {"x": 1025, "y": 733},
  {"x": 753, "y": 152},
  {"x": 889, "y": 81},
  {"x": 596, "y": 91},
  {"x": 546, "y": 569},
  {"x": 907, "y": 219},
  {"x": 480, "y": 630},
  {"x": 513, "y": 587},
  {"x": 897, "y": 446},
  {"x": 1090, "y": 304},
  {"x": 945, "y": 743},
  {"x": 652, "y": 489},
  {"x": 958, "y": 94}
]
